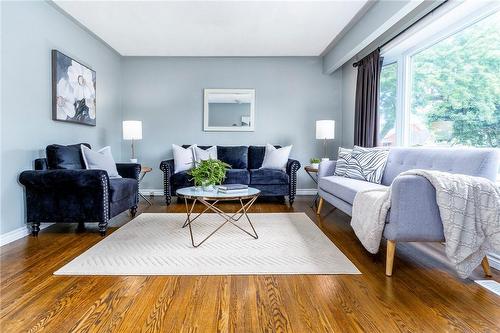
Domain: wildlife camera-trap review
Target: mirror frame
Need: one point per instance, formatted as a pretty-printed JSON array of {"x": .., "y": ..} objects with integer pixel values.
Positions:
[{"x": 208, "y": 128}]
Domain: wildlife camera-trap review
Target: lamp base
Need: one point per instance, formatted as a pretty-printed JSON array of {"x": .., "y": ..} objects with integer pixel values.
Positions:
[{"x": 133, "y": 160}]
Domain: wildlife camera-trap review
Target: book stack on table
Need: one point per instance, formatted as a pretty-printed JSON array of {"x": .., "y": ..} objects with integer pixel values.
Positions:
[{"x": 233, "y": 188}]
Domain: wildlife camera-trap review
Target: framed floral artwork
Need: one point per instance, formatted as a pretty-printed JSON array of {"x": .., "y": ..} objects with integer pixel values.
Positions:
[{"x": 73, "y": 91}]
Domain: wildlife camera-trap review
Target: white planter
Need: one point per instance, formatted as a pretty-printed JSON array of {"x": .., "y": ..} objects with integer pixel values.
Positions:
[{"x": 315, "y": 165}]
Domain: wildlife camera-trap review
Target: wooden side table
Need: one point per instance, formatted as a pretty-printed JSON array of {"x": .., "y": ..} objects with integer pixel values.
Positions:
[
  {"x": 313, "y": 174},
  {"x": 144, "y": 171}
]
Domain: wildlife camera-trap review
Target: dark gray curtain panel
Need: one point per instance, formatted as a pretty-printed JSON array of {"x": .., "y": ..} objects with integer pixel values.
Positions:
[{"x": 366, "y": 106}]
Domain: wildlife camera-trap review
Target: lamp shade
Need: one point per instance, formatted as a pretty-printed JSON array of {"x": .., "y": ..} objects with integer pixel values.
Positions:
[
  {"x": 325, "y": 129},
  {"x": 132, "y": 130}
]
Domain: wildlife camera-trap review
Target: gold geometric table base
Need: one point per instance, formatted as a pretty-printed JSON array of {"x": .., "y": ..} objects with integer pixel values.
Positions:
[{"x": 211, "y": 206}]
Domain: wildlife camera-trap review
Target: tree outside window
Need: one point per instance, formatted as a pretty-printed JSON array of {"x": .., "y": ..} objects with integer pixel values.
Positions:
[
  {"x": 387, "y": 105},
  {"x": 455, "y": 89}
]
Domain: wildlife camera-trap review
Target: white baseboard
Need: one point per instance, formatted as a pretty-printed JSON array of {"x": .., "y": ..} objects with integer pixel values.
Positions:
[
  {"x": 18, "y": 233},
  {"x": 307, "y": 191},
  {"x": 151, "y": 191},
  {"x": 158, "y": 192}
]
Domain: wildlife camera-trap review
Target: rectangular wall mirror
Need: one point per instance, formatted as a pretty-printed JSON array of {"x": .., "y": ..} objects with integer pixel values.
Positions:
[{"x": 229, "y": 110}]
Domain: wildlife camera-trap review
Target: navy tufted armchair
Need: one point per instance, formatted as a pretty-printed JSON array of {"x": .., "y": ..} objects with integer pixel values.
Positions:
[
  {"x": 60, "y": 189},
  {"x": 245, "y": 169}
]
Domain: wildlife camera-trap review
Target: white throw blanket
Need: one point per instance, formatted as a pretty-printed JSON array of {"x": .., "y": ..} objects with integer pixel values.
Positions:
[{"x": 469, "y": 208}]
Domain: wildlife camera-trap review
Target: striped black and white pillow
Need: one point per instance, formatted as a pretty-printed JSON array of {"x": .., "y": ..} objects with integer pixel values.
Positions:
[
  {"x": 343, "y": 158},
  {"x": 367, "y": 164}
]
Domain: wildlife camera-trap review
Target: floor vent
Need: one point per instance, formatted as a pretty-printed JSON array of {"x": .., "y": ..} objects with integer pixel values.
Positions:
[{"x": 491, "y": 285}]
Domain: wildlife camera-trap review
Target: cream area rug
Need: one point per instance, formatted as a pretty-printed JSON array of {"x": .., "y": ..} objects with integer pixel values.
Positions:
[{"x": 156, "y": 244}]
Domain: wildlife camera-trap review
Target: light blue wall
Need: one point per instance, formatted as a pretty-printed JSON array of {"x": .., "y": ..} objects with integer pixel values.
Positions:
[
  {"x": 167, "y": 95},
  {"x": 349, "y": 75},
  {"x": 30, "y": 30}
]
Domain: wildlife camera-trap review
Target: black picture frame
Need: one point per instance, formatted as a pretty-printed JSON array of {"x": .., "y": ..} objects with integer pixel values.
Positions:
[{"x": 73, "y": 91}]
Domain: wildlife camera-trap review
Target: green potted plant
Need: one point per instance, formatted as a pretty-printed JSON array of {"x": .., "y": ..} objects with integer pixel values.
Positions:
[
  {"x": 209, "y": 173},
  {"x": 315, "y": 162}
]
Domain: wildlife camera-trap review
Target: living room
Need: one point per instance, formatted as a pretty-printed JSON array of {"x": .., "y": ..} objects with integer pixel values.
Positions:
[{"x": 305, "y": 166}]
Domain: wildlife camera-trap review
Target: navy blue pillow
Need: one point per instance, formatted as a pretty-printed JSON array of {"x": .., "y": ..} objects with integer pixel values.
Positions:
[
  {"x": 65, "y": 157},
  {"x": 235, "y": 156}
]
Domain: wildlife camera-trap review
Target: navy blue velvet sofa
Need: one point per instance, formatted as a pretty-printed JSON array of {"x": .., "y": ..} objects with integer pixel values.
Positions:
[
  {"x": 60, "y": 189},
  {"x": 245, "y": 162}
]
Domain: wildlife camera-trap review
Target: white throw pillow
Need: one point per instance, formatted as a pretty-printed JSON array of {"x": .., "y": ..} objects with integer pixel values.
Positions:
[
  {"x": 205, "y": 154},
  {"x": 100, "y": 160},
  {"x": 183, "y": 158},
  {"x": 276, "y": 158}
]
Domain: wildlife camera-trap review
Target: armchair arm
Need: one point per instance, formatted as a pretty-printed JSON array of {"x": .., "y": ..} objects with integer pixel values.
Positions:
[
  {"x": 292, "y": 166},
  {"x": 64, "y": 179},
  {"x": 291, "y": 169},
  {"x": 66, "y": 195},
  {"x": 326, "y": 168},
  {"x": 129, "y": 170},
  {"x": 167, "y": 164},
  {"x": 167, "y": 167},
  {"x": 414, "y": 214}
]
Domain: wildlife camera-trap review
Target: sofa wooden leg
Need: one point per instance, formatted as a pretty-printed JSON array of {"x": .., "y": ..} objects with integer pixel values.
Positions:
[
  {"x": 320, "y": 205},
  {"x": 486, "y": 267},
  {"x": 35, "y": 228},
  {"x": 391, "y": 250},
  {"x": 133, "y": 211},
  {"x": 80, "y": 227},
  {"x": 103, "y": 226}
]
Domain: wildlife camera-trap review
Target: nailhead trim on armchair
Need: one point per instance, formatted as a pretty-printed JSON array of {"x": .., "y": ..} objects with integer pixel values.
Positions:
[
  {"x": 167, "y": 172},
  {"x": 103, "y": 225},
  {"x": 293, "y": 167}
]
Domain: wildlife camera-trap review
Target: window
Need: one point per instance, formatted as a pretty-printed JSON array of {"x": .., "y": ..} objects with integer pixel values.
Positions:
[{"x": 445, "y": 88}]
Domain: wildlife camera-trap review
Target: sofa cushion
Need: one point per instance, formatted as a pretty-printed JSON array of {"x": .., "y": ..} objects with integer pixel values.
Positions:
[
  {"x": 121, "y": 188},
  {"x": 478, "y": 162},
  {"x": 256, "y": 156},
  {"x": 237, "y": 176},
  {"x": 346, "y": 188},
  {"x": 235, "y": 156},
  {"x": 268, "y": 177},
  {"x": 181, "y": 179},
  {"x": 65, "y": 157},
  {"x": 233, "y": 176}
]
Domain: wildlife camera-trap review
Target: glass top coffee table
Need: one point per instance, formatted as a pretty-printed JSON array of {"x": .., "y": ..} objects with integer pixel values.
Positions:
[{"x": 210, "y": 199}]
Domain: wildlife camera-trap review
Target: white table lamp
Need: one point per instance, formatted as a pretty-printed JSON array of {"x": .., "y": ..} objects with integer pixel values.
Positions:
[
  {"x": 132, "y": 130},
  {"x": 325, "y": 130}
]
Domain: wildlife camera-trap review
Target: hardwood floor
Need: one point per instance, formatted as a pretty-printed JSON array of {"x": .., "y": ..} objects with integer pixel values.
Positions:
[{"x": 423, "y": 295}]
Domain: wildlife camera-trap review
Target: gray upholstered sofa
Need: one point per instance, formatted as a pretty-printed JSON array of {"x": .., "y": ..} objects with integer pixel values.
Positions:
[{"x": 414, "y": 214}]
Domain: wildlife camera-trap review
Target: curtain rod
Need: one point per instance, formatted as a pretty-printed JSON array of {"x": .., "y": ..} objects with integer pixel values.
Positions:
[{"x": 405, "y": 30}]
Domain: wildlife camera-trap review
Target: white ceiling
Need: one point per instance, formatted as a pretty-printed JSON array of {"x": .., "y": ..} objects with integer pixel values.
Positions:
[{"x": 214, "y": 28}]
